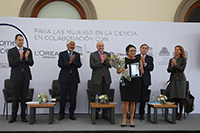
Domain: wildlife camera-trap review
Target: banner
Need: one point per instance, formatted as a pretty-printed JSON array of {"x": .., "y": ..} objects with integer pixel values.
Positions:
[{"x": 47, "y": 37}]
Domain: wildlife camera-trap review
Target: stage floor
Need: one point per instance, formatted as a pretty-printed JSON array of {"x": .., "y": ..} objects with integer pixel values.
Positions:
[{"x": 83, "y": 123}]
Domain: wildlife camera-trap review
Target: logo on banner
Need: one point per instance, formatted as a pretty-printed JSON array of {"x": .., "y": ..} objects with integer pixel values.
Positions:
[
  {"x": 79, "y": 49},
  {"x": 5, "y": 45},
  {"x": 4, "y": 65},
  {"x": 8, "y": 32},
  {"x": 50, "y": 54},
  {"x": 47, "y": 54},
  {"x": 164, "y": 56},
  {"x": 150, "y": 51},
  {"x": 9, "y": 42}
]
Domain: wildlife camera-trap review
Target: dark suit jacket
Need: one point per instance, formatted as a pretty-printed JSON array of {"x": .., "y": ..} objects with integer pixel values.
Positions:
[
  {"x": 146, "y": 77},
  {"x": 63, "y": 63},
  {"x": 98, "y": 68},
  {"x": 17, "y": 65},
  {"x": 178, "y": 69}
]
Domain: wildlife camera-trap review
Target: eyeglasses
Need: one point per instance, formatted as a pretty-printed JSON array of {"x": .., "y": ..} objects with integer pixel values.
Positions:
[{"x": 132, "y": 51}]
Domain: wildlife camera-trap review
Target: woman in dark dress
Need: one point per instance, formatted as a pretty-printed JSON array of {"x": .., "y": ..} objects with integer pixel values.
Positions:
[
  {"x": 177, "y": 86},
  {"x": 130, "y": 93}
]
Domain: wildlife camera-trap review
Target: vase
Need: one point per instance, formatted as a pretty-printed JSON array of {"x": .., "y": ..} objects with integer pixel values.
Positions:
[
  {"x": 162, "y": 101},
  {"x": 103, "y": 101},
  {"x": 42, "y": 102}
]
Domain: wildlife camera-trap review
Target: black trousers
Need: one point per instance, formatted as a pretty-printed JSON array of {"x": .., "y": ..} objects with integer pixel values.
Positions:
[
  {"x": 143, "y": 95},
  {"x": 20, "y": 89},
  {"x": 101, "y": 89},
  {"x": 63, "y": 93}
]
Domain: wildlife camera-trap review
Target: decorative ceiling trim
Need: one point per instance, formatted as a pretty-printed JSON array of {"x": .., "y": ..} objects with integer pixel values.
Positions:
[
  {"x": 86, "y": 9},
  {"x": 183, "y": 9}
]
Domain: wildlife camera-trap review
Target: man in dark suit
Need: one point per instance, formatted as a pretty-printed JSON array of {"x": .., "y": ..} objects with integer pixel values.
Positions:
[
  {"x": 146, "y": 77},
  {"x": 69, "y": 62},
  {"x": 20, "y": 58},
  {"x": 101, "y": 78}
]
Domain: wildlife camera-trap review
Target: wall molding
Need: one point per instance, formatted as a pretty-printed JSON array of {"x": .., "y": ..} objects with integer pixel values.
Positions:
[{"x": 86, "y": 9}]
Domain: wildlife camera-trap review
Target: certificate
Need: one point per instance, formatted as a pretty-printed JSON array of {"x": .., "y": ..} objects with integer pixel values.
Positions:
[{"x": 134, "y": 70}]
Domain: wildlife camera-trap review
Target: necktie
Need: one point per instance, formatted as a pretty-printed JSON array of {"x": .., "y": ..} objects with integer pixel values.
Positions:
[
  {"x": 101, "y": 59},
  {"x": 101, "y": 56},
  {"x": 20, "y": 50},
  {"x": 70, "y": 56}
]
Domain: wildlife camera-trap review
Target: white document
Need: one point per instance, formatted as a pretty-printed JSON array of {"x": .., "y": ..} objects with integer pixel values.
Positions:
[{"x": 135, "y": 71}]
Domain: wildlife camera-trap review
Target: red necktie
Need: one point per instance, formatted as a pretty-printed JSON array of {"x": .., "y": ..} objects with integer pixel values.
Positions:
[{"x": 101, "y": 59}]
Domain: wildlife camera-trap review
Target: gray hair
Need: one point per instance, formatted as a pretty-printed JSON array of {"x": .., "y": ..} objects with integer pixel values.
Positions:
[{"x": 69, "y": 41}]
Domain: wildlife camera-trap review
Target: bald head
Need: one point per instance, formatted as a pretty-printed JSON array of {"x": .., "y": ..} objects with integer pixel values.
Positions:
[{"x": 100, "y": 46}]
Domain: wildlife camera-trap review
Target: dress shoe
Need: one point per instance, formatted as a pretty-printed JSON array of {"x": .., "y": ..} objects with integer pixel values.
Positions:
[
  {"x": 24, "y": 120},
  {"x": 123, "y": 125},
  {"x": 61, "y": 117},
  {"x": 105, "y": 117},
  {"x": 141, "y": 117},
  {"x": 12, "y": 120},
  {"x": 132, "y": 125},
  {"x": 180, "y": 118},
  {"x": 72, "y": 117},
  {"x": 177, "y": 116}
]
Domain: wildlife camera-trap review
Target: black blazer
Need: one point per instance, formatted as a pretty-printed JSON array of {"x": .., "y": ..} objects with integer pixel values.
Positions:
[
  {"x": 63, "y": 63},
  {"x": 17, "y": 65},
  {"x": 178, "y": 69},
  {"x": 98, "y": 68},
  {"x": 146, "y": 77}
]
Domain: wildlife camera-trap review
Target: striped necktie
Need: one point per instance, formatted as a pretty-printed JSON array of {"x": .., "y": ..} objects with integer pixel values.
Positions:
[
  {"x": 20, "y": 50},
  {"x": 70, "y": 56}
]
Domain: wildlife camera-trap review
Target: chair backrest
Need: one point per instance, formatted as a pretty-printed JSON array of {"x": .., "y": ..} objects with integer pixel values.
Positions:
[
  {"x": 56, "y": 87},
  {"x": 187, "y": 85},
  {"x": 89, "y": 84},
  {"x": 90, "y": 92},
  {"x": 8, "y": 93},
  {"x": 148, "y": 96},
  {"x": 8, "y": 87}
]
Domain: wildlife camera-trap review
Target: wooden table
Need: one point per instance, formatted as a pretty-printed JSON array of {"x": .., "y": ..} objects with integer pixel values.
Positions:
[
  {"x": 111, "y": 108},
  {"x": 166, "y": 107},
  {"x": 33, "y": 110}
]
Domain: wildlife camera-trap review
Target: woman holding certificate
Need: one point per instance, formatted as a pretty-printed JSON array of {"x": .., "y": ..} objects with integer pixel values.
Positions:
[
  {"x": 130, "y": 91},
  {"x": 177, "y": 86}
]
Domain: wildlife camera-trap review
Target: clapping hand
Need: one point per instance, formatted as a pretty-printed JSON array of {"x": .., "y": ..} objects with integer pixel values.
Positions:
[
  {"x": 21, "y": 54},
  {"x": 27, "y": 54},
  {"x": 141, "y": 66},
  {"x": 104, "y": 57},
  {"x": 173, "y": 62},
  {"x": 143, "y": 59},
  {"x": 72, "y": 58}
]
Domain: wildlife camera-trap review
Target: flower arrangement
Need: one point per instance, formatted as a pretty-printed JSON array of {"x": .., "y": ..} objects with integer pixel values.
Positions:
[
  {"x": 103, "y": 99},
  {"x": 117, "y": 62},
  {"x": 162, "y": 98},
  {"x": 42, "y": 98}
]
